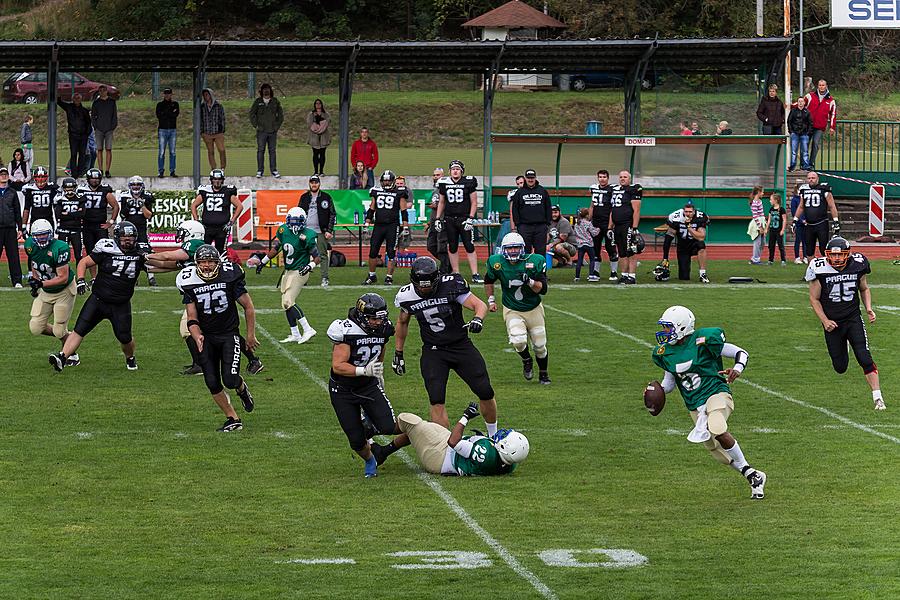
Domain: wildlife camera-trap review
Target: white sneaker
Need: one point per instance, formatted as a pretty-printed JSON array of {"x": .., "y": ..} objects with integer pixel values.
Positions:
[
  {"x": 73, "y": 361},
  {"x": 593, "y": 278},
  {"x": 18, "y": 286},
  {"x": 306, "y": 336},
  {"x": 290, "y": 338},
  {"x": 879, "y": 404},
  {"x": 259, "y": 174},
  {"x": 276, "y": 174},
  {"x": 798, "y": 261},
  {"x": 757, "y": 480}
]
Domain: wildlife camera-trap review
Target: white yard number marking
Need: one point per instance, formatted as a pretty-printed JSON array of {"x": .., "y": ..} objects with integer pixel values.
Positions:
[
  {"x": 440, "y": 559},
  {"x": 617, "y": 558},
  {"x": 437, "y": 325},
  {"x": 843, "y": 291}
]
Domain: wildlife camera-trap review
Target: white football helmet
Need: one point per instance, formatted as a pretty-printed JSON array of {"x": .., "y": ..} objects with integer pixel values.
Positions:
[
  {"x": 136, "y": 185},
  {"x": 296, "y": 220},
  {"x": 189, "y": 230},
  {"x": 677, "y": 323},
  {"x": 512, "y": 447},
  {"x": 511, "y": 242},
  {"x": 42, "y": 232}
]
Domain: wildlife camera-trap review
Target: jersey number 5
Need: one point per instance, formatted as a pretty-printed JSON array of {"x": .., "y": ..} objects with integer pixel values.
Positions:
[{"x": 435, "y": 322}]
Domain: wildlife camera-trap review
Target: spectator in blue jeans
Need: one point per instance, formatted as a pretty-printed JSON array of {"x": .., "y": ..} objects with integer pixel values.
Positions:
[
  {"x": 799, "y": 228},
  {"x": 800, "y": 126},
  {"x": 167, "y": 114}
]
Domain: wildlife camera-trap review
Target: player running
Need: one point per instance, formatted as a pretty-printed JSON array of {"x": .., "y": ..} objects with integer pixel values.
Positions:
[
  {"x": 816, "y": 202},
  {"x": 357, "y": 369},
  {"x": 523, "y": 280},
  {"x": 601, "y": 195},
  {"x": 217, "y": 200},
  {"x": 211, "y": 291},
  {"x": 692, "y": 361},
  {"x": 118, "y": 263},
  {"x": 456, "y": 213},
  {"x": 39, "y": 198},
  {"x": 836, "y": 281},
  {"x": 52, "y": 283},
  {"x": 98, "y": 197},
  {"x": 436, "y": 301},
  {"x": 298, "y": 244},
  {"x": 137, "y": 207},
  {"x": 386, "y": 211}
]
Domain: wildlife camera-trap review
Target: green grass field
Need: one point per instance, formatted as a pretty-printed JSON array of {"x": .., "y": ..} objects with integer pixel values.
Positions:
[{"x": 115, "y": 484}]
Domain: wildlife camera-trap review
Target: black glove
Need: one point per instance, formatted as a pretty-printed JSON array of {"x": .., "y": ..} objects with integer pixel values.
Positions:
[
  {"x": 227, "y": 227},
  {"x": 36, "y": 285},
  {"x": 260, "y": 267},
  {"x": 476, "y": 325},
  {"x": 610, "y": 235},
  {"x": 81, "y": 286},
  {"x": 398, "y": 364},
  {"x": 144, "y": 248},
  {"x": 306, "y": 270},
  {"x": 794, "y": 225},
  {"x": 835, "y": 228},
  {"x": 439, "y": 225},
  {"x": 527, "y": 279},
  {"x": 471, "y": 411}
]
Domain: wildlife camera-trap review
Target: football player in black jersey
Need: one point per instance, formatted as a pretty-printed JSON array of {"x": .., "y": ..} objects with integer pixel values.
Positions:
[
  {"x": 598, "y": 213},
  {"x": 357, "y": 373},
  {"x": 436, "y": 301},
  {"x": 217, "y": 200},
  {"x": 687, "y": 226},
  {"x": 68, "y": 207},
  {"x": 118, "y": 262},
  {"x": 95, "y": 222},
  {"x": 211, "y": 291},
  {"x": 624, "y": 218},
  {"x": 836, "y": 282},
  {"x": 816, "y": 202},
  {"x": 137, "y": 207},
  {"x": 456, "y": 210},
  {"x": 39, "y": 197},
  {"x": 386, "y": 211}
]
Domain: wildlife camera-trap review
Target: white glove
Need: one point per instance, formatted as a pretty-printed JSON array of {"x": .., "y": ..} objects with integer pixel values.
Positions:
[
  {"x": 468, "y": 224},
  {"x": 373, "y": 369}
]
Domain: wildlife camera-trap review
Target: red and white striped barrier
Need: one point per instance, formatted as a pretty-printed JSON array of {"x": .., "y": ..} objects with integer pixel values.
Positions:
[
  {"x": 245, "y": 219},
  {"x": 876, "y": 210}
]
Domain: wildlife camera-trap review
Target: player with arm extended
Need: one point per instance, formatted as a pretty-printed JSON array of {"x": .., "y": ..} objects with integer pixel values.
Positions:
[
  {"x": 298, "y": 244},
  {"x": 437, "y": 301},
  {"x": 456, "y": 210},
  {"x": 356, "y": 384},
  {"x": 692, "y": 361},
  {"x": 836, "y": 282},
  {"x": 445, "y": 452},
  {"x": 136, "y": 205},
  {"x": 385, "y": 213},
  {"x": 217, "y": 200},
  {"x": 816, "y": 203},
  {"x": 211, "y": 291},
  {"x": 523, "y": 280}
]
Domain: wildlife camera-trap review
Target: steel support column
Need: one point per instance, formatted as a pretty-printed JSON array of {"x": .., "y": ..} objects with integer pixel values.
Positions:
[
  {"x": 52, "y": 78},
  {"x": 346, "y": 94},
  {"x": 633, "y": 81},
  {"x": 490, "y": 79},
  {"x": 198, "y": 77}
]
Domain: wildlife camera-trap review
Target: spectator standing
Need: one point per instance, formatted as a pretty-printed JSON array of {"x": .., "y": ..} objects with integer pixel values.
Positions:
[
  {"x": 437, "y": 240},
  {"x": 799, "y": 227},
  {"x": 90, "y": 153},
  {"x": 775, "y": 224},
  {"x": 560, "y": 236},
  {"x": 167, "y": 111},
  {"x": 529, "y": 213},
  {"x": 770, "y": 112},
  {"x": 359, "y": 179},
  {"x": 10, "y": 226},
  {"x": 318, "y": 122},
  {"x": 800, "y": 126},
  {"x": 266, "y": 116},
  {"x": 723, "y": 129},
  {"x": 584, "y": 233},
  {"x": 105, "y": 119},
  {"x": 19, "y": 173},
  {"x": 26, "y": 139},
  {"x": 757, "y": 228},
  {"x": 823, "y": 110},
  {"x": 320, "y": 217},
  {"x": 366, "y": 150},
  {"x": 212, "y": 128},
  {"x": 78, "y": 121}
]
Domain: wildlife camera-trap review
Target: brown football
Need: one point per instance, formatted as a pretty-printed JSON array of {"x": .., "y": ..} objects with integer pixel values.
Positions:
[{"x": 654, "y": 398}]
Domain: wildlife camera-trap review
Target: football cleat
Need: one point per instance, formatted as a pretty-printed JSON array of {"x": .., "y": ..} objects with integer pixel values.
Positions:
[
  {"x": 325, "y": 282},
  {"x": 246, "y": 398},
  {"x": 704, "y": 278},
  {"x": 307, "y": 335},
  {"x": 74, "y": 361},
  {"x": 131, "y": 363},
  {"x": 370, "y": 280},
  {"x": 369, "y": 430},
  {"x": 879, "y": 404},
  {"x": 614, "y": 276},
  {"x": 388, "y": 280},
  {"x": 528, "y": 369},
  {"x": 593, "y": 278},
  {"x": 476, "y": 278},
  {"x": 231, "y": 425},
  {"x": 290, "y": 338},
  {"x": 378, "y": 451},
  {"x": 544, "y": 379},
  {"x": 57, "y": 361},
  {"x": 757, "y": 480},
  {"x": 192, "y": 370},
  {"x": 255, "y": 367}
]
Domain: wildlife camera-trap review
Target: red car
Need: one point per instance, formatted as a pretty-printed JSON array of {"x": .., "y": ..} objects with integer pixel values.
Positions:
[{"x": 31, "y": 88}]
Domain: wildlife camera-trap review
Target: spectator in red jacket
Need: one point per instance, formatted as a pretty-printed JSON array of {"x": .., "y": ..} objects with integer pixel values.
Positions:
[
  {"x": 366, "y": 150},
  {"x": 823, "y": 109}
]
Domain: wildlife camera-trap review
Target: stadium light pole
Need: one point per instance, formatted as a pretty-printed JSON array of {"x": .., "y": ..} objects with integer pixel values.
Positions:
[
  {"x": 801, "y": 58},
  {"x": 759, "y": 18}
]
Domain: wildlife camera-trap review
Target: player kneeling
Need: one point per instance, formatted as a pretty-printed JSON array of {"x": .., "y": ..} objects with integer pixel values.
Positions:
[
  {"x": 445, "y": 452},
  {"x": 692, "y": 361},
  {"x": 212, "y": 289}
]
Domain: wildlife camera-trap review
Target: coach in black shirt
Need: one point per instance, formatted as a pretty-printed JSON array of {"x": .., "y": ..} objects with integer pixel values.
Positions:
[
  {"x": 10, "y": 227},
  {"x": 529, "y": 210}
]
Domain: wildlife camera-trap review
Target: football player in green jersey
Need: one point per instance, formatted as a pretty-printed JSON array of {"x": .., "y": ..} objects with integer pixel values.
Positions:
[
  {"x": 301, "y": 256},
  {"x": 692, "y": 361},
  {"x": 52, "y": 281},
  {"x": 523, "y": 280},
  {"x": 445, "y": 452}
]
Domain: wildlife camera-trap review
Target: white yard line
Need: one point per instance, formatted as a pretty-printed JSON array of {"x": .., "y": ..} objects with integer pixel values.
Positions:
[
  {"x": 435, "y": 485},
  {"x": 744, "y": 380}
]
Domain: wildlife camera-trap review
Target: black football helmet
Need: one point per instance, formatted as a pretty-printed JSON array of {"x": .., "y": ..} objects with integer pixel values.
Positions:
[
  {"x": 370, "y": 312},
  {"x": 424, "y": 275},
  {"x": 69, "y": 187},
  {"x": 837, "y": 252},
  {"x": 94, "y": 177},
  {"x": 204, "y": 255},
  {"x": 388, "y": 179},
  {"x": 457, "y": 163},
  {"x": 125, "y": 233},
  {"x": 41, "y": 176},
  {"x": 637, "y": 243},
  {"x": 217, "y": 178}
]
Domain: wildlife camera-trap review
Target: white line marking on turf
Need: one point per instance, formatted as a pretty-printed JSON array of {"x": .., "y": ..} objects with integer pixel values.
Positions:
[
  {"x": 583, "y": 350},
  {"x": 282, "y": 435},
  {"x": 84, "y": 435},
  {"x": 317, "y": 561},
  {"x": 743, "y": 380},
  {"x": 778, "y": 308},
  {"x": 436, "y": 487}
]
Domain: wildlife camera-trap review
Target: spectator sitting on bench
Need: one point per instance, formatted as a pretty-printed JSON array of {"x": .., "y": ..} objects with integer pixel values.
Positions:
[{"x": 558, "y": 238}]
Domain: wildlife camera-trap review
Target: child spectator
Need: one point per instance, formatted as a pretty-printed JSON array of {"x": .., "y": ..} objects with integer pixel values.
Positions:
[
  {"x": 585, "y": 232},
  {"x": 26, "y": 139},
  {"x": 757, "y": 228},
  {"x": 775, "y": 225}
]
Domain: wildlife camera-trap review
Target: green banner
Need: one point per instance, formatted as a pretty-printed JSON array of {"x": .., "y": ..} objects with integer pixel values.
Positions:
[{"x": 351, "y": 203}]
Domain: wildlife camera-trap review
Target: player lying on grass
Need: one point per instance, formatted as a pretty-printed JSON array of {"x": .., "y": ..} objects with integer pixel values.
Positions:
[
  {"x": 692, "y": 361},
  {"x": 445, "y": 452}
]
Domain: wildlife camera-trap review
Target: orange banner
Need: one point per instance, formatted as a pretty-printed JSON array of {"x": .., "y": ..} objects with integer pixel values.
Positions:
[{"x": 271, "y": 209}]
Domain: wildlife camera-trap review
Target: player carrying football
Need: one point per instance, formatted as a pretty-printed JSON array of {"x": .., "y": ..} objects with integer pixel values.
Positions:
[
  {"x": 386, "y": 211},
  {"x": 436, "y": 301},
  {"x": 692, "y": 361},
  {"x": 836, "y": 281},
  {"x": 523, "y": 279},
  {"x": 211, "y": 291},
  {"x": 298, "y": 244}
]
